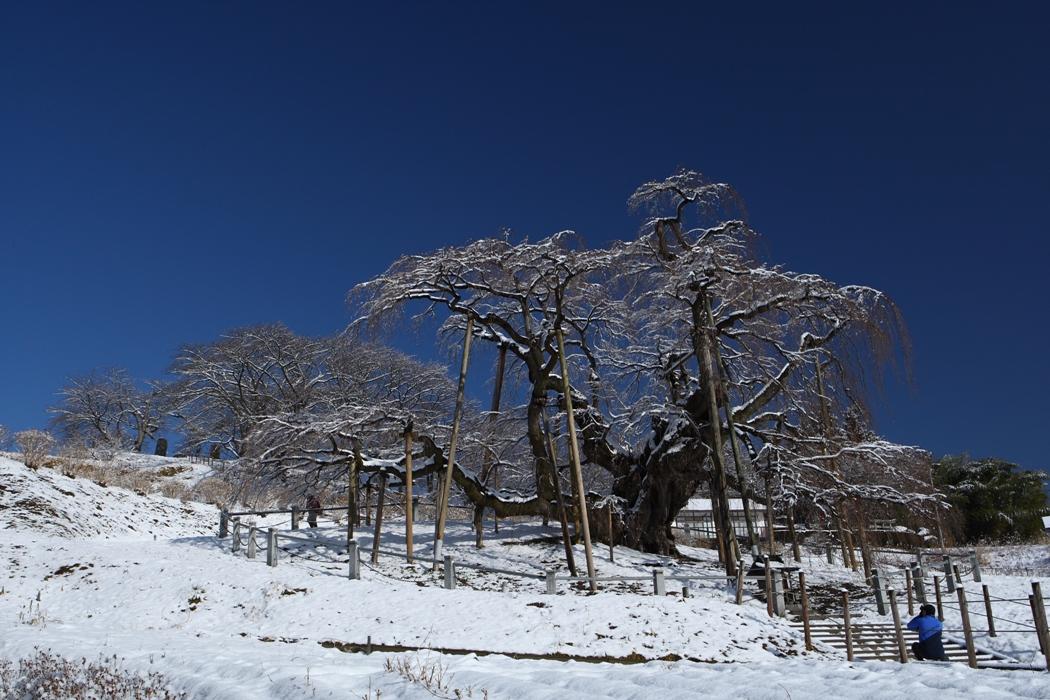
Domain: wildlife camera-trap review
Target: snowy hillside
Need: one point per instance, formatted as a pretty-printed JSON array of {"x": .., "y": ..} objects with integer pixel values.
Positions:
[{"x": 95, "y": 570}]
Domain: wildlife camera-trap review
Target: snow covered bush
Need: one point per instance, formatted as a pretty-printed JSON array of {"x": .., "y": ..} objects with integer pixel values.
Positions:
[
  {"x": 35, "y": 446},
  {"x": 47, "y": 676}
]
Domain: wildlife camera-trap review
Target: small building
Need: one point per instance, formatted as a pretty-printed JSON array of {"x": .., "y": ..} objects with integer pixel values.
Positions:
[{"x": 698, "y": 518}]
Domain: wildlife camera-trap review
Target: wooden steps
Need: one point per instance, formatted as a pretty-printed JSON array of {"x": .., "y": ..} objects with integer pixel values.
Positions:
[{"x": 877, "y": 641}]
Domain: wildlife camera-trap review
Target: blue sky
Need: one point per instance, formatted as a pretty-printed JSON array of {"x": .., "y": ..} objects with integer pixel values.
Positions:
[{"x": 171, "y": 170}]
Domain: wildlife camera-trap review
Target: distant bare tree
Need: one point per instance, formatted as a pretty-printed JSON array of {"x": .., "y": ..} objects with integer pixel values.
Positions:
[
  {"x": 106, "y": 409},
  {"x": 35, "y": 446}
]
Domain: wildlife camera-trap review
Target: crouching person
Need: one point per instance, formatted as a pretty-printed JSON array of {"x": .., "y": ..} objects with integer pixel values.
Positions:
[{"x": 929, "y": 646}]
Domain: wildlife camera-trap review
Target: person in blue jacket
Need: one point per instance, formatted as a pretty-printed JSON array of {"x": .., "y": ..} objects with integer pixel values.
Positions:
[{"x": 929, "y": 646}]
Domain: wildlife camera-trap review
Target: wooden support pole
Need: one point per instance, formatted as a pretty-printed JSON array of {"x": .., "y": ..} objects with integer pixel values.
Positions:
[
  {"x": 379, "y": 518},
  {"x": 446, "y": 484},
  {"x": 769, "y": 587},
  {"x": 958, "y": 576},
  {"x": 976, "y": 565},
  {"x": 846, "y": 625},
  {"x": 771, "y": 536},
  {"x": 739, "y": 584},
  {"x": 902, "y": 650},
  {"x": 235, "y": 543},
  {"x": 224, "y": 520},
  {"x": 937, "y": 593},
  {"x": 795, "y": 549},
  {"x": 251, "y": 542},
  {"x": 295, "y": 517},
  {"x": 964, "y": 612},
  {"x": 804, "y": 598},
  {"x": 988, "y": 610},
  {"x": 920, "y": 585},
  {"x": 574, "y": 455},
  {"x": 911, "y": 598},
  {"x": 563, "y": 520},
  {"x": 409, "y": 514}
]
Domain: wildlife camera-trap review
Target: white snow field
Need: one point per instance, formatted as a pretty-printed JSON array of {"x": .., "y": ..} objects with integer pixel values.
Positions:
[{"x": 93, "y": 571}]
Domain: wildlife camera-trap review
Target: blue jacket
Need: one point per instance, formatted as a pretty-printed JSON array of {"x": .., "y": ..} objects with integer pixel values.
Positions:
[{"x": 926, "y": 626}]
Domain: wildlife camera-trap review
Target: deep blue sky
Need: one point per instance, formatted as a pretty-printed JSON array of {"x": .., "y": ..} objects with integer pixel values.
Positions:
[{"x": 171, "y": 170}]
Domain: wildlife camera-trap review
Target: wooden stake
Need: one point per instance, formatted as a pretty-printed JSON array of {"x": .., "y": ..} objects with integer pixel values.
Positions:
[
  {"x": 988, "y": 610},
  {"x": 574, "y": 456},
  {"x": 937, "y": 593},
  {"x": 1038, "y": 627},
  {"x": 846, "y": 626},
  {"x": 379, "y": 518},
  {"x": 901, "y": 649},
  {"x": 409, "y": 514},
  {"x": 1041, "y": 624},
  {"x": 740, "y": 584},
  {"x": 446, "y": 483},
  {"x": 964, "y": 612},
  {"x": 907, "y": 582},
  {"x": 804, "y": 597}
]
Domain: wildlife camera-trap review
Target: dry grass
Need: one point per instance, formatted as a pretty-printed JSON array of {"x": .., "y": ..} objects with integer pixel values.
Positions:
[{"x": 46, "y": 676}]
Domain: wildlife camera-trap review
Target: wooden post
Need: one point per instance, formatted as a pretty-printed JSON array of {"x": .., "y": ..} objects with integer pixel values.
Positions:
[
  {"x": 552, "y": 582},
  {"x": 235, "y": 544},
  {"x": 846, "y": 626},
  {"x": 353, "y": 559},
  {"x": 976, "y": 566},
  {"x": 379, "y": 518},
  {"x": 659, "y": 585},
  {"x": 1038, "y": 627},
  {"x": 804, "y": 597},
  {"x": 964, "y": 612},
  {"x": 295, "y": 517},
  {"x": 769, "y": 587},
  {"x": 795, "y": 549},
  {"x": 829, "y": 552},
  {"x": 368, "y": 502},
  {"x": 1041, "y": 625},
  {"x": 271, "y": 547},
  {"x": 937, "y": 592},
  {"x": 958, "y": 576},
  {"x": 988, "y": 610},
  {"x": 877, "y": 587},
  {"x": 911, "y": 599},
  {"x": 450, "y": 572},
  {"x": 949, "y": 580},
  {"x": 251, "y": 542},
  {"x": 574, "y": 455},
  {"x": 902, "y": 651},
  {"x": 920, "y": 585},
  {"x": 224, "y": 519},
  {"x": 446, "y": 483},
  {"x": 409, "y": 515},
  {"x": 739, "y": 583},
  {"x": 779, "y": 607}
]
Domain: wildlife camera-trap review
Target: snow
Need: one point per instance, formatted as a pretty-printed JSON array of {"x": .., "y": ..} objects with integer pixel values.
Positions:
[
  {"x": 735, "y": 504},
  {"x": 92, "y": 570}
]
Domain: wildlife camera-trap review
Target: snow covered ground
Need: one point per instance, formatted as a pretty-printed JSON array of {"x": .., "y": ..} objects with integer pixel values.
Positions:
[{"x": 96, "y": 571}]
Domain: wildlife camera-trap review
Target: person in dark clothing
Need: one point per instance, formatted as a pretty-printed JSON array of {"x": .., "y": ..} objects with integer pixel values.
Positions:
[
  {"x": 929, "y": 646},
  {"x": 313, "y": 508}
]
